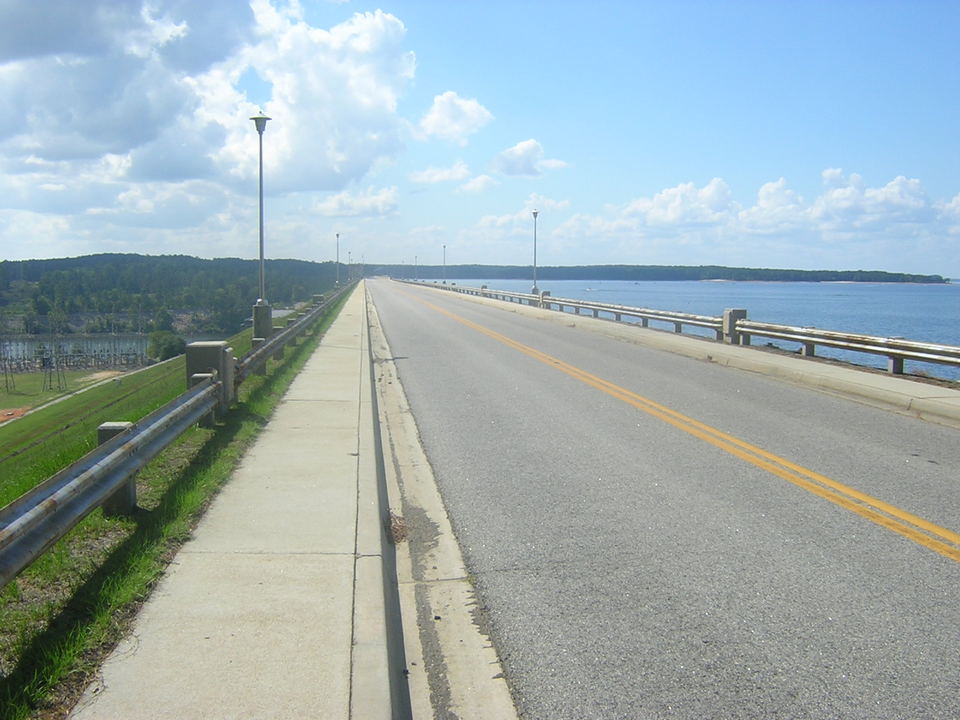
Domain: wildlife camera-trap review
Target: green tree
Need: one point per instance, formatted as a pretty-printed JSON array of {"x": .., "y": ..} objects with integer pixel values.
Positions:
[
  {"x": 163, "y": 344},
  {"x": 163, "y": 320}
]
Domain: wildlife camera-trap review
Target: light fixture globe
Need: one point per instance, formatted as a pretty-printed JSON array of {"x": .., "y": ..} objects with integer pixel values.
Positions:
[{"x": 260, "y": 121}]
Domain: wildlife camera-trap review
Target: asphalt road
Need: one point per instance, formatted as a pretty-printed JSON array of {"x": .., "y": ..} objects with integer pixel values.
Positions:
[{"x": 634, "y": 565}]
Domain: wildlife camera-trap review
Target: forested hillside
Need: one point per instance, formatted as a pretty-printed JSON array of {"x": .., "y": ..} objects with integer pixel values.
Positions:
[
  {"x": 649, "y": 272},
  {"x": 138, "y": 293}
]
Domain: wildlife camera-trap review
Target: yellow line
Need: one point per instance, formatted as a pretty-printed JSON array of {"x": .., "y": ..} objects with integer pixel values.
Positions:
[{"x": 924, "y": 532}]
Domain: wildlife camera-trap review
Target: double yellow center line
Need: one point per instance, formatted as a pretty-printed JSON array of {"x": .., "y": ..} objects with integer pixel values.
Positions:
[{"x": 915, "y": 528}]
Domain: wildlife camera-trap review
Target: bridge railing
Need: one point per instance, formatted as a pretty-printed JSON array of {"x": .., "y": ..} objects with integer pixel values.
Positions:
[
  {"x": 896, "y": 350},
  {"x": 734, "y": 327},
  {"x": 617, "y": 312},
  {"x": 104, "y": 477}
]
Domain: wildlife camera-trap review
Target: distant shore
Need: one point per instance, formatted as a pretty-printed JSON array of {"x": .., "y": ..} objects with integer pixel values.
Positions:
[{"x": 640, "y": 273}]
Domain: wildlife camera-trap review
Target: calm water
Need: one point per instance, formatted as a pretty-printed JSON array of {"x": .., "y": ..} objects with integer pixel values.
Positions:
[{"x": 929, "y": 313}]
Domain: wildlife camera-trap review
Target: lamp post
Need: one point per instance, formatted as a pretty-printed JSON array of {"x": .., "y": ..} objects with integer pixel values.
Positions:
[
  {"x": 444, "y": 264},
  {"x": 261, "y": 122},
  {"x": 338, "y": 259},
  {"x": 535, "y": 290},
  {"x": 416, "y": 271},
  {"x": 262, "y": 316}
]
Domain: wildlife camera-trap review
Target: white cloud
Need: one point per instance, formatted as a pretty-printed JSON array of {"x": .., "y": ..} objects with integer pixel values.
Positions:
[
  {"x": 847, "y": 204},
  {"x": 367, "y": 203},
  {"x": 458, "y": 171},
  {"x": 525, "y": 158},
  {"x": 133, "y": 113},
  {"x": 334, "y": 99},
  {"x": 685, "y": 205},
  {"x": 161, "y": 88},
  {"x": 778, "y": 210},
  {"x": 478, "y": 184},
  {"x": 453, "y": 118},
  {"x": 687, "y": 224},
  {"x": 950, "y": 212},
  {"x": 523, "y": 217}
]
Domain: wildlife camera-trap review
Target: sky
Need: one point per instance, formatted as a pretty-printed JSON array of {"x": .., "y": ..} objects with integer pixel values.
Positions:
[{"x": 812, "y": 134}]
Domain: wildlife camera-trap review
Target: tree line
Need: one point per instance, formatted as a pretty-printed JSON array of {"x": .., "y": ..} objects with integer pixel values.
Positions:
[
  {"x": 649, "y": 272},
  {"x": 140, "y": 293}
]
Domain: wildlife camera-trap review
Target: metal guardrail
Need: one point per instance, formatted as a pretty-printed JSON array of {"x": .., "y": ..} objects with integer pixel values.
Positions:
[
  {"x": 257, "y": 358},
  {"x": 734, "y": 328},
  {"x": 40, "y": 517},
  {"x": 896, "y": 350},
  {"x": 544, "y": 300}
]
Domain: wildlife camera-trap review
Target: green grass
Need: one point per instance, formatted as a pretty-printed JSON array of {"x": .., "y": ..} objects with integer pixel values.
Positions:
[
  {"x": 29, "y": 390},
  {"x": 61, "y": 616},
  {"x": 38, "y": 445}
]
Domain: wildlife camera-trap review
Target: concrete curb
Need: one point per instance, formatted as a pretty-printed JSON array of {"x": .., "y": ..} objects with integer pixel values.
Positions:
[
  {"x": 453, "y": 667},
  {"x": 370, "y": 696},
  {"x": 929, "y": 402}
]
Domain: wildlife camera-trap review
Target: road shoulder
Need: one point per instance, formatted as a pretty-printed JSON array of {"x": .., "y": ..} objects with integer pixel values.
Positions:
[{"x": 454, "y": 670}]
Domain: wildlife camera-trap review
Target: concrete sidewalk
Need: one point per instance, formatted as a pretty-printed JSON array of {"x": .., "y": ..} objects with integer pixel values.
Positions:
[{"x": 276, "y": 607}]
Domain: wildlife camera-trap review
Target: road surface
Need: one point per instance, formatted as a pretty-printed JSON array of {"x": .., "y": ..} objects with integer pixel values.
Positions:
[{"x": 655, "y": 536}]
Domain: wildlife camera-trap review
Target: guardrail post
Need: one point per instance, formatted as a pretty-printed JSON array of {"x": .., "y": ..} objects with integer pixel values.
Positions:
[
  {"x": 196, "y": 379},
  {"x": 730, "y": 333},
  {"x": 215, "y": 357},
  {"x": 124, "y": 500},
  {"x": 895, "y": 365},
  {"x": 262, "y": 320},
  {"x": 678, "y": 327},
  {"x": 809, "y": 349},
  {"x": 254, "y": 344}
]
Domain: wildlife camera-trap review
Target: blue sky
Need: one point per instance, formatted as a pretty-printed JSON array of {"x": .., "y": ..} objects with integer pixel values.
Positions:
[{"x": 774, "y": 134}]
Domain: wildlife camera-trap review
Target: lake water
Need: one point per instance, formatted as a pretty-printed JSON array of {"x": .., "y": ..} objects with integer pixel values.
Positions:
[{"x": 928, "y": 313}]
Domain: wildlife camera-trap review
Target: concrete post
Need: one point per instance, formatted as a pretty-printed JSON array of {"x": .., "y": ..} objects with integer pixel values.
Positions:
[
  {"x": 215, "y": 357},
  {"x": 254, "y": 344},
  {"x": 262, "y": 320},
  {"x": 196, "y": 379},
  {"x": 895, "y": 365},
  {"x": 124, "y": 500},
  {"x": 731, "y": 335}
]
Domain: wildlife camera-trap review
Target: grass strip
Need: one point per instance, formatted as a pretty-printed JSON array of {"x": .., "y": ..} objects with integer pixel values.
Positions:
[
  {"x": 64, "y": 614},
  {"x": 44, "y": 442}
]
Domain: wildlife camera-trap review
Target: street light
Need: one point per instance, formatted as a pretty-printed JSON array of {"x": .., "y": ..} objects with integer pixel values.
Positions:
[
  {"x": 338, "y": 259},
  {"x": 535, "y": 291},
  {"x": 444, "y": 264},
  {"x": 261, "y": 122},
  {"x": 262, "y": 313}
]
